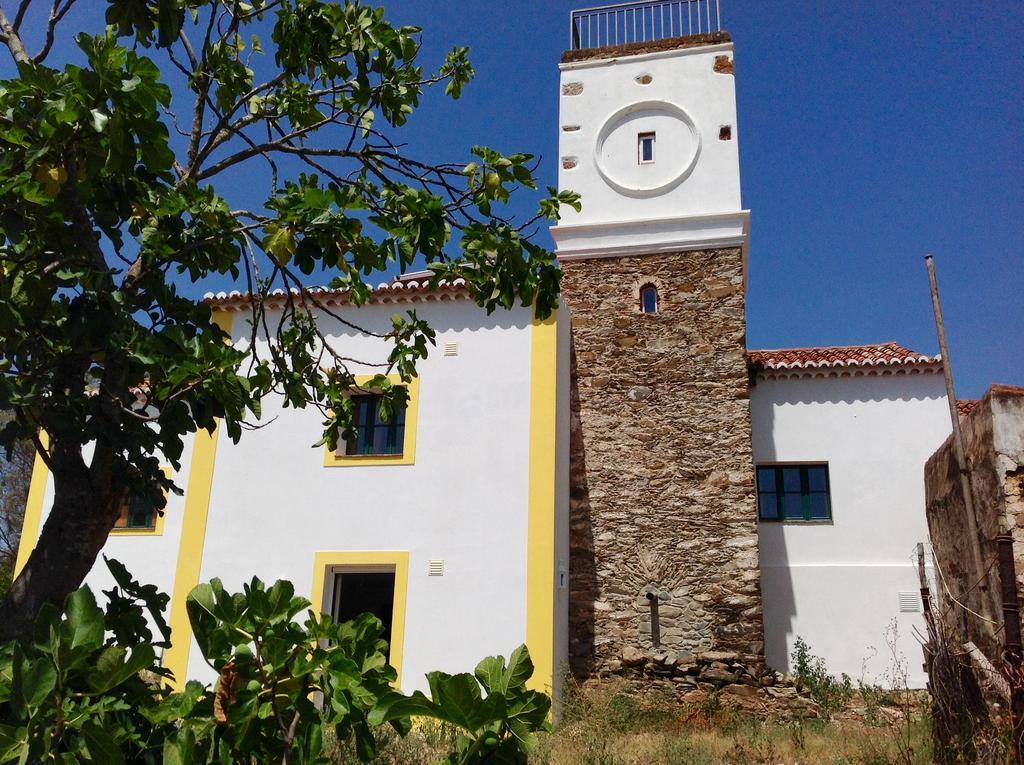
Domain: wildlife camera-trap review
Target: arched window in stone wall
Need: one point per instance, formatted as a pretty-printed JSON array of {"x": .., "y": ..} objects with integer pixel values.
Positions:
[{"x": 648, "y": 299}]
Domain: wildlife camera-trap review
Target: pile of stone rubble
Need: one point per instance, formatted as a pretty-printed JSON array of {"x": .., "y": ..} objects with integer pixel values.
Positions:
[
  {"x": 740, "y": 680},
  {"x": 745, "y": 677}
]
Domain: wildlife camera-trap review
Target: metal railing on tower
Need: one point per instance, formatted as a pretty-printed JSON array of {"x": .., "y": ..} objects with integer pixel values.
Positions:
[{"x": 638, "y": 22}]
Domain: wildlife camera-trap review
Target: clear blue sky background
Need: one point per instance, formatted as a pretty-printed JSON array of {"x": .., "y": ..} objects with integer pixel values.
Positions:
[{"x": 871, "y": 133}]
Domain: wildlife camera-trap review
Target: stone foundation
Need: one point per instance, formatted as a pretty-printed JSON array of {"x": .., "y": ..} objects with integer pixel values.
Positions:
[
  {"x": 687, "y": 677},
  {"x": 742, "y": 681},
  {"x": 664, "y": 548}
]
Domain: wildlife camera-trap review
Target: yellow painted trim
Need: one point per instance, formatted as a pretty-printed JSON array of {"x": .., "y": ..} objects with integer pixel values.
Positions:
[
  {"x": 33, "y": 508},
  {"x": 408, "y": 455},
  {"x": 399, "y": 559},
  {"x": 193, "y": 538},
  {"x": 158, "y": 527},
  {"x": 540, "y": 556}
]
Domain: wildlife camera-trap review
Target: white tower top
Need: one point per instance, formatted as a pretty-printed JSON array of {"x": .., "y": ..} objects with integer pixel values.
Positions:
[{"x": 648, "y": 133}]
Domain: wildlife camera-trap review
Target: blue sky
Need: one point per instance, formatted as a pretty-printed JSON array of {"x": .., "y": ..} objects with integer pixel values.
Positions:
[{"x": 870, "y": 134}]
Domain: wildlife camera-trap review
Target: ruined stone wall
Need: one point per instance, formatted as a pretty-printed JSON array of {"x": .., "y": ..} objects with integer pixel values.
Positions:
[
  {"x": 662, "y": 494},
  {"x": 994, "y": 443}
]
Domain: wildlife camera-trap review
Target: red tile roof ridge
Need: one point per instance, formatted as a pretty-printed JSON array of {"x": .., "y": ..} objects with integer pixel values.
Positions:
[
  {"x": 870, "y": 354},
  {"x": 385, "y": 292},
  {"x": 828, "y": 347}
]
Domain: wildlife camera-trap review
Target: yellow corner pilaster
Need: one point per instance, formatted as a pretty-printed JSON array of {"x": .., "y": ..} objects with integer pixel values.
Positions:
[
  {"x": 540, "y": 575},
  {"x": 193, "y": 538},
  {"x": 33, "y": 508}
]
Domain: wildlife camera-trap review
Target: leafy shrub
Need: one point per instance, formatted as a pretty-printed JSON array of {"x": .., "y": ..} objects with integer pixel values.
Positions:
[
  {"x": 88, "y": 686},
  {"x": 497, "y": 727},
  {"x": 830, "y": 693}
]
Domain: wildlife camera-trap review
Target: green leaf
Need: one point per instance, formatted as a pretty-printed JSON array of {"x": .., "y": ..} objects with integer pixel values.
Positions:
[
  {"x": 180, "y": 748},
  {"x": 279, "y": 242},
  {"x": 112, "y": 668},
  {"x": 176, "y": 706},
  {"x": 38, "y": 678},
  {"x": 102, "y": 747},
  {"x": 85, "y": 620},
  {"x": 13, "y": 741},
  {"x": 170, "y": 17}
]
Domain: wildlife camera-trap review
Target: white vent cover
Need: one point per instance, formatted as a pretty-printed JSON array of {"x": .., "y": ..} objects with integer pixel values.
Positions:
[
  {"x": 451, "y": 349},
  {"x": 910, "y": 602},
  {"x": 435, "y": 568}
]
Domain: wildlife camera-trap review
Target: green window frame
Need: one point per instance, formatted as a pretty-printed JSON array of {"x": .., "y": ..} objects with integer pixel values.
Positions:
[
  {"x": 137, "y": 513},
  {"x": 794, "y": 493},
  {"x": 373, "y": 435}
]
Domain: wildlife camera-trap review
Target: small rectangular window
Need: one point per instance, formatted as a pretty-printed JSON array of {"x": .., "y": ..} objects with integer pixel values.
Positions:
[
  {"x": 793, "y": 493},
  {"x": 372, "y": 435},
  {"x": 645, "y": 148},
  {"x": 137, "y": 513}
]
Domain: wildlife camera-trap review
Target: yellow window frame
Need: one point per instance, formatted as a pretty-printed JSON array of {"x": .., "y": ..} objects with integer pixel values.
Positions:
[
  {"x": 324, "y": 561},
  {"x": 408, "y": 455},
  {"x": 158, "y": 527}
]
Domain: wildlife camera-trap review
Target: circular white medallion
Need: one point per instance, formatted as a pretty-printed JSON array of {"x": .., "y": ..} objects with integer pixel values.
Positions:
[{"x": 628, "y": 167}]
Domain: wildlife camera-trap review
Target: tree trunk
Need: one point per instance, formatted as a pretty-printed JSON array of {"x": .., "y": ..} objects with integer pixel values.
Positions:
[{"x": 83, "y": 513}]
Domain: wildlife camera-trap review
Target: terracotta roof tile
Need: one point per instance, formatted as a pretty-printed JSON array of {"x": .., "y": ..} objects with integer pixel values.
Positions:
[
  {"x": 879, "y": 354},
  {"x": 398, "y": 290},
  {"x": 964, "y": 406}
]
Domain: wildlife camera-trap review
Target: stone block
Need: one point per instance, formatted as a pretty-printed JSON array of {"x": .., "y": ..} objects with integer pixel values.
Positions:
[
  {"x": 633, "y": 656},
  {"x": 747, "y": 691},
  {"x": 718, "y": 676}
]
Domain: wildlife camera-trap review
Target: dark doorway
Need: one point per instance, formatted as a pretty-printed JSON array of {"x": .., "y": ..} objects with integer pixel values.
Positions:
[{"x": 359, "y": 592}]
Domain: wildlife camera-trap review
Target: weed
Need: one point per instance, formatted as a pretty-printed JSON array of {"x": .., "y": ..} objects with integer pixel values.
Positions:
[{"x": 830, "y": 693}]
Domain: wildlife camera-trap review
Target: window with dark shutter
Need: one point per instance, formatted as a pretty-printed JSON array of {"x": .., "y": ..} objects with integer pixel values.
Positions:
[
  {"x": 794, "y": 492},
  {"x": 373, "y": 435}
]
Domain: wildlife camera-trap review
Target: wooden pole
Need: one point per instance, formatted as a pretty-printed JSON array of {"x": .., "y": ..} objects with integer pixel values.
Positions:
[{"x": 958, "y": 444}]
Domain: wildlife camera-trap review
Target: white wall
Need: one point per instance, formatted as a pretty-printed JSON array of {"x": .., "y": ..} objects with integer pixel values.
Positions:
[
  {"x": 694, "y": 175},
  {"x": 836, "y": 584},
  {"x": 274, "y": 504}
]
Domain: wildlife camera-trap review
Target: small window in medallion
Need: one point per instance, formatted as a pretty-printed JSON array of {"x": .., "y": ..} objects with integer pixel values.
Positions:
[{"x": 645, "y": 148}]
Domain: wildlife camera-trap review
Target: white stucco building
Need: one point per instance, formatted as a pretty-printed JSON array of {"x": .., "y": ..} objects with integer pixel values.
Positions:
[
  {"x": 844, "y": 577},
  {"x": 455, "y": 524}
]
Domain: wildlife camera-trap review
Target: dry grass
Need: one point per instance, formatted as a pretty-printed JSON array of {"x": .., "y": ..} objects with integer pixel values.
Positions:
[{"x": 608, "y": 726}]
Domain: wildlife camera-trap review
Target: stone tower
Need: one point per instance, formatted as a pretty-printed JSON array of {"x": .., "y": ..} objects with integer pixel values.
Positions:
[{"x": 664, "y": 547}]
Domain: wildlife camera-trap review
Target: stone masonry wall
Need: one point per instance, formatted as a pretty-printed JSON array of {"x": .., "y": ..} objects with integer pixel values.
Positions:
[
  {"x": 662, "y": 494},
  {"x": 994, "y": 445}
]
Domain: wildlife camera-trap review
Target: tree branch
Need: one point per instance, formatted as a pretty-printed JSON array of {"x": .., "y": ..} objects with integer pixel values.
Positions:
[
  {"x": 9, "y": 36},
  {"x": 20, "y": 16},
  {"x": 56, "y": 14}
]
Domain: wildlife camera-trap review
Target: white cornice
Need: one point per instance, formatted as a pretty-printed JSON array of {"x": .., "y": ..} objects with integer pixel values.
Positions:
[
  {"x": 860, "y": 370},
  {"x": 651, "y": 235}
]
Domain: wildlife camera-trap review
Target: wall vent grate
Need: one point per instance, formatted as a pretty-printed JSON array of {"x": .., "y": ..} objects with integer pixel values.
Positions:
[
  {"x": 451, "y": 349},
  {"x": 435, "y": 568},
  {"x": 910, "y": 602}
]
